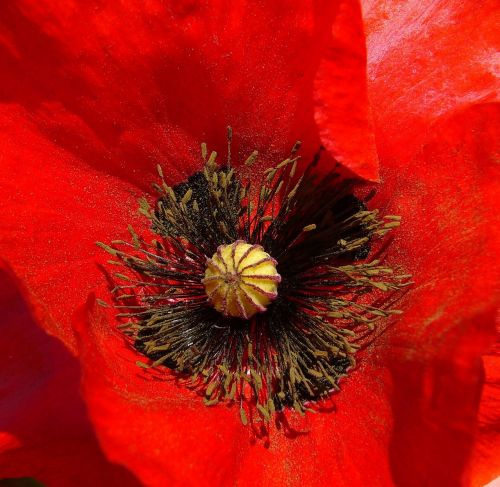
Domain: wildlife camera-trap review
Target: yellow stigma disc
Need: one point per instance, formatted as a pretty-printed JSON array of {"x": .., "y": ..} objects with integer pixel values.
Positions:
[{"x": 241, "y": 279}]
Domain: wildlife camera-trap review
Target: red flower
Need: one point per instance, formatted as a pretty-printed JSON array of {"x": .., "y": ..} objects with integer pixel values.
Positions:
[{"x": 94, "y": 96}]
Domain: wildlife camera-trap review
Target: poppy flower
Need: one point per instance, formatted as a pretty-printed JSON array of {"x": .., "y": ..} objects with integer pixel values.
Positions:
[{"x": 95, "y": 96}]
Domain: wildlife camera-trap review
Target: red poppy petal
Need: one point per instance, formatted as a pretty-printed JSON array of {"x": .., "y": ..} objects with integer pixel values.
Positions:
[
  {"x": 426, "y": 60},
  {"x": 345, "y": 447},
  {"x": 164, "y": 433},
  {"x": 44, "y": 429},
  {"x": 159, "y": 430},
  {"x": 342, "y": 111},
  {"x": 408, "y": 414},
  {"x": 127, "y": 85},
  {"x": 413, "y": 400},
  {"x": 62, "y": 72},
  {"x": 485, "y": 463},
  {"x": 449, "y": 241},
  {"x": 54, "y": 208}
]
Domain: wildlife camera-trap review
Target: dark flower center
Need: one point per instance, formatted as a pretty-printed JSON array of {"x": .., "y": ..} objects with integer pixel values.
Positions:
[{"x": 206, "y": 299}]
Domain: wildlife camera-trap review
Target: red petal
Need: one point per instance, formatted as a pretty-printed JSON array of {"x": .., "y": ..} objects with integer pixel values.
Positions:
[
  {"x": 44, "y": 429},
  {"x": 342, "y": 111},
  {"x": 485, "y": 464},
  {"x": 346, "y": 447},
  {"x": 426, "y": 60},
  {"x": 415, "y": 398},
  {"x": 126, "y": 85},
  {"x": 449, "y": 241},
  {"x": 165, "y": 434},
  {"x": 158, "y": 429},
  {"x": 71, "y": 115},
  {"x": 54, "y": 208}
]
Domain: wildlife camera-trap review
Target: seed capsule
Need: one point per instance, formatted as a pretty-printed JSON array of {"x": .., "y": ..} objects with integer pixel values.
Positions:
[{"x": 241, "y": 279}]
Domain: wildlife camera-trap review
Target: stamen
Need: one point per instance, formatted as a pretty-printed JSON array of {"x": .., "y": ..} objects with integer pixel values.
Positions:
[{"x": 255, "y": 292}]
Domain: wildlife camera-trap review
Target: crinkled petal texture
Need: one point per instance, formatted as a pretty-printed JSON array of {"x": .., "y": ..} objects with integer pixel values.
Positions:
[
  {"x": 449, "y": 240},
  {"x": 45, "y": 430},
  {"x": 95, "y": 94},
  {"x": 407, "y": 416},
  {"x": 426, "y": 60}
]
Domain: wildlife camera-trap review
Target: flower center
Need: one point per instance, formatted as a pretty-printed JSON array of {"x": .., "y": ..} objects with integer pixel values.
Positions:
[
  {"x": 241, "y": 279},
  {"x": 181, "y": 309}
]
